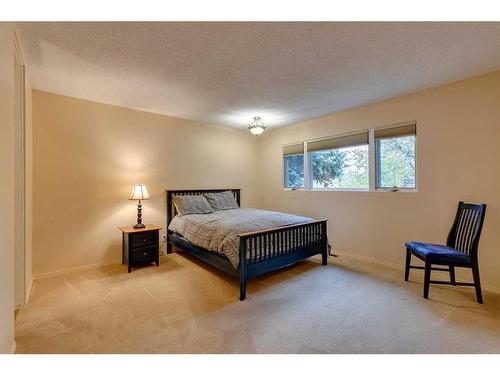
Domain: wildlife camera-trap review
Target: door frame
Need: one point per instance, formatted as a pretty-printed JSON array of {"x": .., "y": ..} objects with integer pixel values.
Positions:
[{"x": 20, "y": 176}]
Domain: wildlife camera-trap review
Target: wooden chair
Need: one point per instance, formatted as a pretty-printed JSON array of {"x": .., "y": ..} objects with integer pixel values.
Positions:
[{"x": 460, "y": 250}]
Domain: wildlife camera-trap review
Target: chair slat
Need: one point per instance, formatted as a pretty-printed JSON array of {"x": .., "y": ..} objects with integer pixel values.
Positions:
[{"x": 466, "y": 231}]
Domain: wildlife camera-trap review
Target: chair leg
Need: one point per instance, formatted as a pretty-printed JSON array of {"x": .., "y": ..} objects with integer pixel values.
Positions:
[
  {"x": 408, "y": 261},
  {"x": 477, "y": 283},
  {"x": 427, "y": 278},
  {"x": 452, "y": 275}
]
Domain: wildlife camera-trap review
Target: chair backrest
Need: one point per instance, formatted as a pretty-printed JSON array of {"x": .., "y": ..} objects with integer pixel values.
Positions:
[{"x": 466, "y": 229}]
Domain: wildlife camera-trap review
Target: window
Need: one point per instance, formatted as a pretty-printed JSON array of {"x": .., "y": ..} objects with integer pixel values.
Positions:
[
  {"x": 395, "y": 157},
  {"x": 370, "y": 160},
  {"x": 339, "y": 163},
  {"x": 293, "y": 161}
]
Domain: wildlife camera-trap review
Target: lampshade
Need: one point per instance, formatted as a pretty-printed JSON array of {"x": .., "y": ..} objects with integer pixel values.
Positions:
[
  {"x": 139, "y": 192},
  {"x": 257, "y": 126}
]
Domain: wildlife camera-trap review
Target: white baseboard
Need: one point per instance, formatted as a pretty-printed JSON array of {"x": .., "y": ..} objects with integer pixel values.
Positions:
[
  {"x": 28, "y": 291},
  {"x": 13, "y": 348},
  {"x": 369, "y": 259},
  {"x": 486, "y": 288},
  {"x": 73, "y": 269}
]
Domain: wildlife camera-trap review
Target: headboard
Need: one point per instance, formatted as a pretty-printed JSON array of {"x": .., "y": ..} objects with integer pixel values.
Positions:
[{"x": 171, "y": 211}]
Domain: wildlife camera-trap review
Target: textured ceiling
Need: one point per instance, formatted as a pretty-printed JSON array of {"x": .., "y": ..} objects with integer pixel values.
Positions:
[{"x": 225, "y": 73}]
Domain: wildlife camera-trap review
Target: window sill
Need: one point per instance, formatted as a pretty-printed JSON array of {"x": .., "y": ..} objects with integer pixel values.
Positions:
[
  {"x": 354, "y": 190},
  {"x": 340, "y": 189},
  {"x": 400, "y": 190}
]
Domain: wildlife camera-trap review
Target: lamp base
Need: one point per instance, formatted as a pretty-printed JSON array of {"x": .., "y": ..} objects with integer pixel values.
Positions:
[{"x": 139, "y": 224}]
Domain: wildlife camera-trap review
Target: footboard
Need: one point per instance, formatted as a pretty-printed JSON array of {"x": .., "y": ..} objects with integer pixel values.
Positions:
[{"x": 267, "y": 250}]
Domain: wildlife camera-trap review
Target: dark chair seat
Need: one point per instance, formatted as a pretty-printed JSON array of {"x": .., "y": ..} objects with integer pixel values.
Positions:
[{"x": 437, "y": 253}]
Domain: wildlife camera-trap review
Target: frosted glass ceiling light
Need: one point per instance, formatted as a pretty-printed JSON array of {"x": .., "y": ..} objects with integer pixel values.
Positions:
[{"x": 257, "y": 126}]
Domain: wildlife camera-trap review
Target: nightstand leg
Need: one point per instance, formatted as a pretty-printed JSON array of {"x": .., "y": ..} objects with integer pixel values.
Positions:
[{"x": 129, "y": 269}]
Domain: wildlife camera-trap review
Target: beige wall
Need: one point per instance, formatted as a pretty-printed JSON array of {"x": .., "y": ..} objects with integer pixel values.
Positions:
[
  {"x": 86, "y": 157},
  {"x": 458, "y": 152},
  {"x": 6, "y": 187}
]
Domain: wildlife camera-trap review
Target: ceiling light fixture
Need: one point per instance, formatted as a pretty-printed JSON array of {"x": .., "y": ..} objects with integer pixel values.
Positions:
[{"x": 257, "y": 126}]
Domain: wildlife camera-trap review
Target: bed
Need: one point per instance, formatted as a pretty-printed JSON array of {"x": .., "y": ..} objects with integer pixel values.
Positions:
[{"x": 223, "y": 239}]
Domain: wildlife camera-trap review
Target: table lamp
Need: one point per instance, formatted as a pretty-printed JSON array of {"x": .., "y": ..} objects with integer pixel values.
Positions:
[{"x": 139, "y": 192}]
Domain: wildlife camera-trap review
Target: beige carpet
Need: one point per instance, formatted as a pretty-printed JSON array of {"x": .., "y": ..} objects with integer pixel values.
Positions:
[{"x": 184, "y": 306}]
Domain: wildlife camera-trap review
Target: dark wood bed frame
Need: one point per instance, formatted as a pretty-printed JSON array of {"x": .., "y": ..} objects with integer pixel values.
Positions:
[{"x": 290, "y": 244}]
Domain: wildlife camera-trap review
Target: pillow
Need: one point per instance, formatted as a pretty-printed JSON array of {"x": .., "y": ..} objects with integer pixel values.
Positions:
[
  {"x": 192, "y": 204},
  {"x": 222, "y": 201}
]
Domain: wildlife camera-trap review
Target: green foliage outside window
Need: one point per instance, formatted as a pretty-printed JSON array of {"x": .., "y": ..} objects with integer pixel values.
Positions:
[
  {"x": 396, "y": 162},
  {"x": 347, "y": 168},
  {"x": 294, "y": 173},
  {"x": 344, "y": 168}
]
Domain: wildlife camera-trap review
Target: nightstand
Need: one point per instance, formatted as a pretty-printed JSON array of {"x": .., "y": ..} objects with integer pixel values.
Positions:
[{"x": 140, "y": 246}]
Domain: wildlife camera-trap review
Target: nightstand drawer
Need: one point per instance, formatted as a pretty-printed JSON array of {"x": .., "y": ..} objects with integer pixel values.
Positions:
[
  {"x": 143, "y": 239},
  {"x": 145, "y": 254}
]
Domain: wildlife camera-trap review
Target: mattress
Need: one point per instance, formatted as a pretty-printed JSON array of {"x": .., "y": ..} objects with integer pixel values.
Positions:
[{"x": 218, "y": 232}]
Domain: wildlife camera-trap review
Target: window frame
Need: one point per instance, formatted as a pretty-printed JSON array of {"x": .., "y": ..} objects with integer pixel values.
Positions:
[{"x": 372, "y": 163}]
